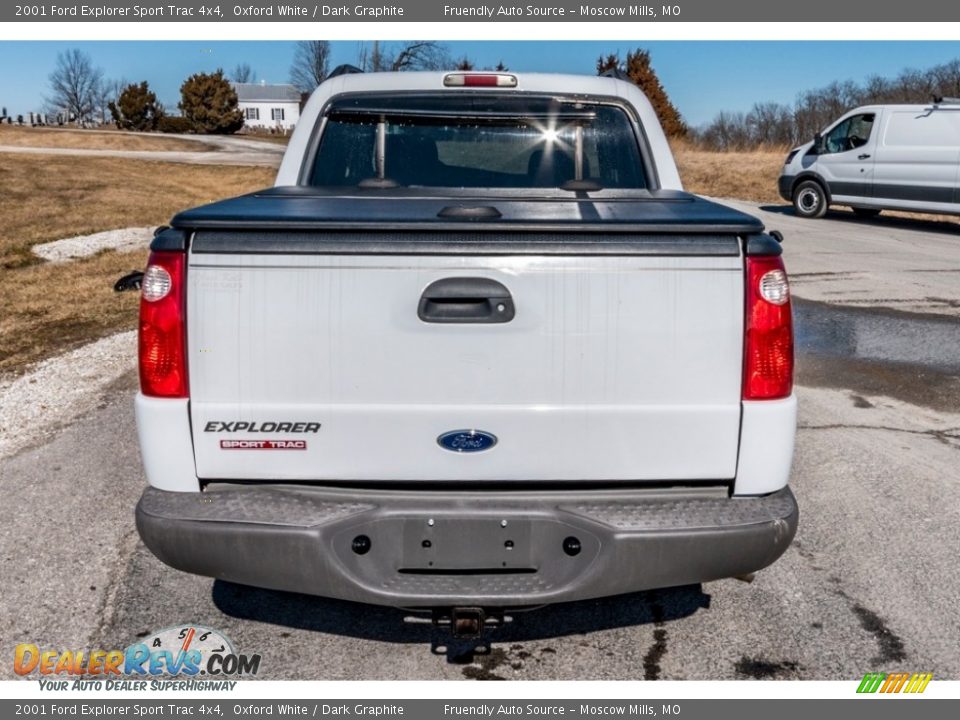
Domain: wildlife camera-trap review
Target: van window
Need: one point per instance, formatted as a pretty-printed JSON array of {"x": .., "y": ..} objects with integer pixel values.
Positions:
[
  {"x": 923, "y": 129},
  {"x": 850, "y": 134}
]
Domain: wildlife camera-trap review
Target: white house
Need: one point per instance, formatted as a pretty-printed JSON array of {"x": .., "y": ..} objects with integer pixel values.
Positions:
[{"x": 265, "y": 106}]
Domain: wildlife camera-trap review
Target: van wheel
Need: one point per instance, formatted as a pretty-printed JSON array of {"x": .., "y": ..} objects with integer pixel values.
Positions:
[
  {"x": 866, "y": 212},
  {"x": 809, "y": 199}
]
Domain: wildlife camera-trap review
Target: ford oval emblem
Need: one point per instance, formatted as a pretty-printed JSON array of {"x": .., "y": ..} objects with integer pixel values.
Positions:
[{"x": 467, "y": 441}]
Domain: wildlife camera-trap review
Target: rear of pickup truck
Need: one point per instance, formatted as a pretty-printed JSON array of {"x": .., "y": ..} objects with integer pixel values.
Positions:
[{"x": 476, "y": 351}]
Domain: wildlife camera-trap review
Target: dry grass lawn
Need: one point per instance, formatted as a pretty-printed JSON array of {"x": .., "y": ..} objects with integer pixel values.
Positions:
[
  {"x": 94, "y": 139},
  {"x": 742, "y": 175},
  {"x": 49, "y": 309},
  {"x": 51, "y": 197}
]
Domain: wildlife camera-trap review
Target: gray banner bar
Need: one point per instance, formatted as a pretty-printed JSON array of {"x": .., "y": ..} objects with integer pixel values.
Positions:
[
  {"x": 451, "y": 11},
  {"x": 224, "y": 707}
]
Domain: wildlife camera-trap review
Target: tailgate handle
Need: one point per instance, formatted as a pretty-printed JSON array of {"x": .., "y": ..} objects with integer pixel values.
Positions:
[{"x": 466, "y": 300}]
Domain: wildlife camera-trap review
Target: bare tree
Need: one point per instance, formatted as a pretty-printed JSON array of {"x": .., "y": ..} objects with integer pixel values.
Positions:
[
  {"x": 421, "y": 55},
  {"x": 106, "y": 92},
  {"x": 372, "y": 58},
  {"x": 243, "y": 73},
  {"x": 414, "y": 55},
  {"x": 769, "y": 123},
  {"x": 773, "y": 124},
  {"x": 74, "y": 83},
  {"x": 311, "y": 62},
  {"x": 101, "y": 95},
  {"x": 947, "y": 78}
]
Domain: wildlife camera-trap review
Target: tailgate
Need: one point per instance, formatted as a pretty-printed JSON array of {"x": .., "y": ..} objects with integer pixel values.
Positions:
[{"x": 321, "y": 366}]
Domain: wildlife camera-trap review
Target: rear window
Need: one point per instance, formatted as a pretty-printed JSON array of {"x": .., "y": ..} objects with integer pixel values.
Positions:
[{"x": 481, "y": 142}]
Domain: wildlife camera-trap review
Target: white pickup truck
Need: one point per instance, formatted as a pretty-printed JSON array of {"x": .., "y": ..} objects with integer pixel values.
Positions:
[{"x": 475, "y": 350}]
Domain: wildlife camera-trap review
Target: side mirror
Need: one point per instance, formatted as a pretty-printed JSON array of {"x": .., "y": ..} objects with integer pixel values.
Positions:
[{"x": 817, "y": 144}]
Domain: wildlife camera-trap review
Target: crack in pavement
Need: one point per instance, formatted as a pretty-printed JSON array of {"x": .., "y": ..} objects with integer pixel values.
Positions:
[
  {"x": 107, "y": 607},
  {"x": 947, "y": 437}
]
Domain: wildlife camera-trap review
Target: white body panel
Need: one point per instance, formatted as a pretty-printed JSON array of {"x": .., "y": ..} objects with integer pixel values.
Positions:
[
  {"x": 163, "y": 427},
  {"x": 918, "y": 150},
  {"x": 766, "y": 446},
  {"x": 614, "y": 367},
  {"x": 848, "y": 169}
]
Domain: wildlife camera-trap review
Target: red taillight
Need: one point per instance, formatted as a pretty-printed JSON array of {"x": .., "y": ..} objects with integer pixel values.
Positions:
[
  {"x": 479, "y": 80},
  {"x": 768, "y": 347},
  {"x": 163, "y": 357}
]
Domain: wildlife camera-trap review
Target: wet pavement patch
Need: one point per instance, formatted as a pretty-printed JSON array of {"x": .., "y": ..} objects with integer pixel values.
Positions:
[
  {"x": 912, "y": 384},
  {"x": 877, "y": 335},
  {"x": 891, "y": 645},
  {"x": 485, "y": 668},
  {"x": 875, "y": 351},
  {"x": 653, "y": 656},
  {"x": 760, "y": 669}
]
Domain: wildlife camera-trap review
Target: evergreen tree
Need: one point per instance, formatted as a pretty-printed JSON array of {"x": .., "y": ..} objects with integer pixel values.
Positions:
[
  {"x": 209, "y": 102},
  {"x": 638, "y": 70},
  {"x": 136, "y": 108}
]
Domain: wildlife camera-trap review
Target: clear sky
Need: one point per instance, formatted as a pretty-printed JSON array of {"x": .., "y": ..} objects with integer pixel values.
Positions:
[{"x": 701, "y": 77}]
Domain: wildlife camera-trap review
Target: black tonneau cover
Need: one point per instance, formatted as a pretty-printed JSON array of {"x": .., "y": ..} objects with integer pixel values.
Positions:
[{"x": 415, "y": 221}]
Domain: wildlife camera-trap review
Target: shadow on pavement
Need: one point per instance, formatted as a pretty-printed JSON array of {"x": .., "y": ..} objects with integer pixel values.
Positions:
[
  {"x": 371, "y": 622},
  {"x": 777, "y": 209},
  {"x": 947, "y": 226}
]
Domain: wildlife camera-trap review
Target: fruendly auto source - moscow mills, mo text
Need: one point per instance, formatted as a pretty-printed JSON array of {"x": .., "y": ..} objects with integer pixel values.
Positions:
[{"x": 555, "y": 11}]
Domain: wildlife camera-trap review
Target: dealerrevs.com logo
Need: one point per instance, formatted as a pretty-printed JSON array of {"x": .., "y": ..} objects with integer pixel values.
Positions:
[
  {"x": 910, "y": 683},
  {"x": 182, "y": 657}
]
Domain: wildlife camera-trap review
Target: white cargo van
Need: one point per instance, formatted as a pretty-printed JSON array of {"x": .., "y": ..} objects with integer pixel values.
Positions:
[{"x": 879, "y": 157}]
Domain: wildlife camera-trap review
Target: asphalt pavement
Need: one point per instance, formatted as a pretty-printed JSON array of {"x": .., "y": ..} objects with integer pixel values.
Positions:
[{"x": 870, "y": 583}]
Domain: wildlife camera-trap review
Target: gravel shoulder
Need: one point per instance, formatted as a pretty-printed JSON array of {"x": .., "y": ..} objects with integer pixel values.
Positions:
[
  {"x": 121, "y": 240},
  {"x": 54, "y": 392}
]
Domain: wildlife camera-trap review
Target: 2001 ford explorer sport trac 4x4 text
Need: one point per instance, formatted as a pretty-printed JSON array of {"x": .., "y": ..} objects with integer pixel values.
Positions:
[{"x": 475, "y": 348}]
